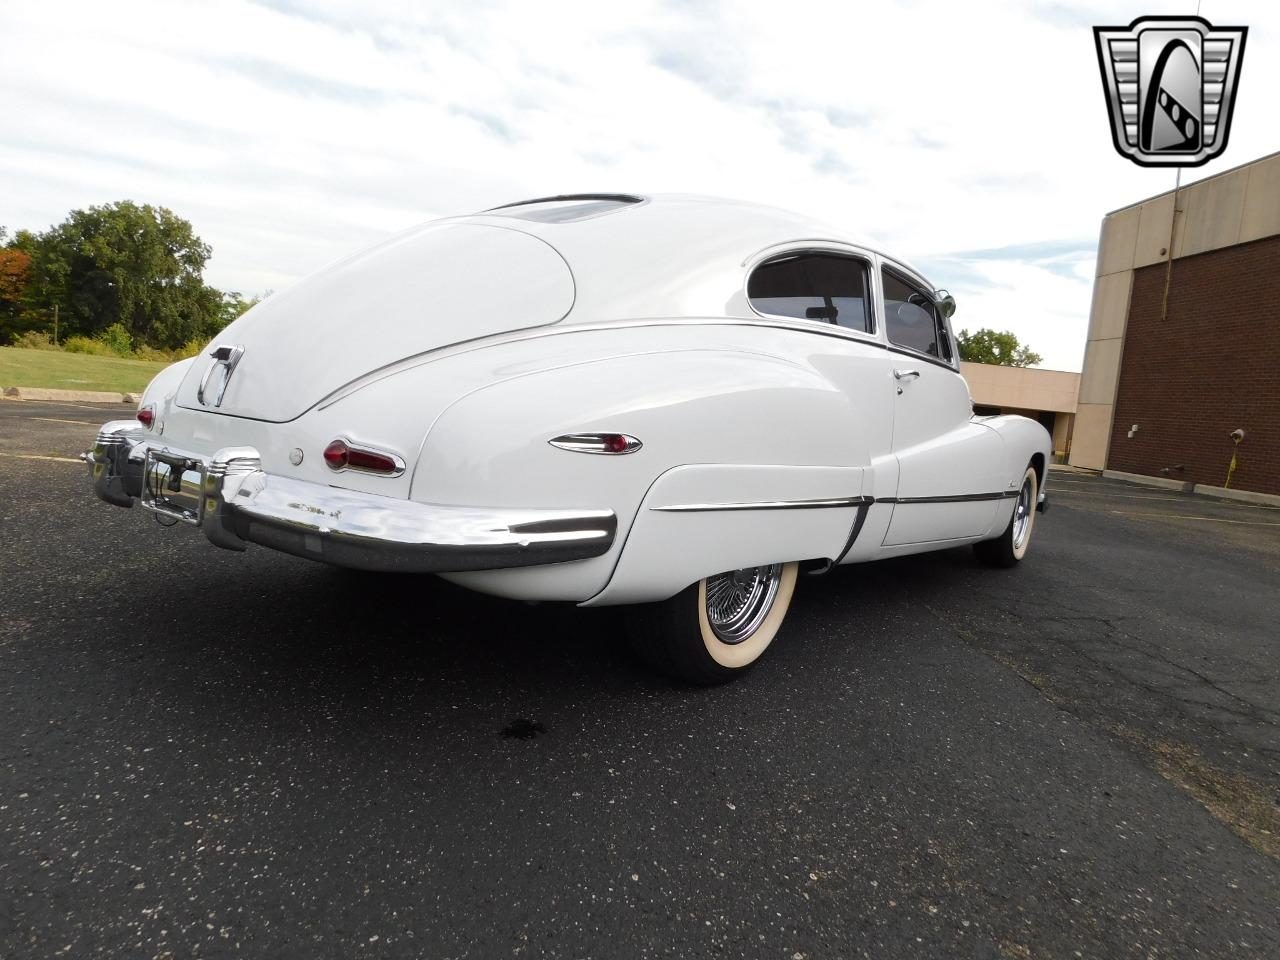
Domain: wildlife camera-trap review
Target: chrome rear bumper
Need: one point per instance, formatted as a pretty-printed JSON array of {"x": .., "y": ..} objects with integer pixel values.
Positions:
[{"x": 240, "y": 504}]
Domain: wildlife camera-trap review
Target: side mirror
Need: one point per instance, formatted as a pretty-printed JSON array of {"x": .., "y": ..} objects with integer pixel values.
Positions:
[{"x": 946, "y": 303}]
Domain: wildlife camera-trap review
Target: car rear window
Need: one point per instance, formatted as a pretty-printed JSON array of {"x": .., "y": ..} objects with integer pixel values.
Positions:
[{"x": 568, "y": 209}]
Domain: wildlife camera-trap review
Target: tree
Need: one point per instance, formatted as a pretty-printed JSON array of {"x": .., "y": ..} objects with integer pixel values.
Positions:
[
  {"x": 234, "y": 304},
  {"x": 15, "y": 270},
  {"x": 136, "y": 265},
  {"x": 990, "y": 346},
  {"x": 15, "y": 274}
]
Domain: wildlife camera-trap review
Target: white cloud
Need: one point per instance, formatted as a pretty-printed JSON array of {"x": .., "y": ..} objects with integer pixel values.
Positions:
[{"x": 291, "y": 133}]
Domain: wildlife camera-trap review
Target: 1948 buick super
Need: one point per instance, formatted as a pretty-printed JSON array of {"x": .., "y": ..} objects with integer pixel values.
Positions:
[{"x": 677, "y": 402}]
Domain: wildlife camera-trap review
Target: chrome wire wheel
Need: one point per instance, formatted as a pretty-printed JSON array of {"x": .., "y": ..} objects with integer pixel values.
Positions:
[
  {"x": 1022, "y": 515},
  {"x": 738, "y": 601}
]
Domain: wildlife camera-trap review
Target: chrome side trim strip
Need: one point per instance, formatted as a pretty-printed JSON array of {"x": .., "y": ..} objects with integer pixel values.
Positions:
[
  {"x": 821, "y": 329},
  {"x": 858, "y": 521},
  {"x": 959, "y": 498},
  {"x": 766, "y": 505}
]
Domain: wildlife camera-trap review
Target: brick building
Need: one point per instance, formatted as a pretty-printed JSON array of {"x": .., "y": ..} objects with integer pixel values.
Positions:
[{"x": 1184, "y": 350}]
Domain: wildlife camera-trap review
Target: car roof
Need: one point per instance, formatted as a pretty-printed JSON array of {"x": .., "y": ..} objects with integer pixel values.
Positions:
[{"x": 663, "y": 254}]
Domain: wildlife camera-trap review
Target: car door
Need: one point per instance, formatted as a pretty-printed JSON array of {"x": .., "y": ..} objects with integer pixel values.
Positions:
[
  {"x": 828, "y": 288},
  {"x": 949, "y": 465}
]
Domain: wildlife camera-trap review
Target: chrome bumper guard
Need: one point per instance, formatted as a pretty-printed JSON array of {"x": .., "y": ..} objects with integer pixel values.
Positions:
[{"x": 238, "y": 504}]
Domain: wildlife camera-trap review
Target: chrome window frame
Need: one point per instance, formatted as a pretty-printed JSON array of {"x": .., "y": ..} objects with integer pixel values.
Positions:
[
  {"x": 913, "y": 277},
  {"x": 815, "y": 245}
]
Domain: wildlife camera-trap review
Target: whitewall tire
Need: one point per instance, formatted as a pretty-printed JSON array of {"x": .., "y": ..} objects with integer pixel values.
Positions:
[
  {"x": 1011, "y": 546},
  {"x": 718, "y": 628}
]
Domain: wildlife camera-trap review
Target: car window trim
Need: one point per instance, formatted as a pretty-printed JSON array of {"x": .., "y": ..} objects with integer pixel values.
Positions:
[
  {"x": 917, "y": 355},
  {"x": 868, "y": 267},
  {"x": 911, "y": 279}
]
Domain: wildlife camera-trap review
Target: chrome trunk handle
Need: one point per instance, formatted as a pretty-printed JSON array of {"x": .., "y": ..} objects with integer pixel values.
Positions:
[{"x": 225, "y": 356}]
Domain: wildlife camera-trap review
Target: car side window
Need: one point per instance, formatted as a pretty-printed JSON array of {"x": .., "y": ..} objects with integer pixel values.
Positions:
[
  {"x": 911, "y": 318},
  {"x": 813, "y": 286}
]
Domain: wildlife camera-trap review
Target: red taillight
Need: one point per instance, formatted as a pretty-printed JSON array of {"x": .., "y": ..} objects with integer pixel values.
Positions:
[
  {"x": 368, "y": 460},
  {"x": 610, "y": 443},
  {"x": 340, "y": 455},
  {"x": 336, "y": 454},
  {"x": 147, "y": 416}
]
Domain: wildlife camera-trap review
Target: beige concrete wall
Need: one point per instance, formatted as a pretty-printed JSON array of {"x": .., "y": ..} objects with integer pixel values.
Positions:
[
  {"x": 1062, "y": 428},
  {"x": 1026, "y": 388},
  {"x": 1062, "y": 422},
  {"x": 1028, "y": 391},
  {"x": 1233, "y": 207},
  {"x": 1092, "y": 434}
]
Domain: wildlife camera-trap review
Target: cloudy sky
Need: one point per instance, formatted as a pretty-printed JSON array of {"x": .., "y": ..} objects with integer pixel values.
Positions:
[{"x": 970, "y": 137}]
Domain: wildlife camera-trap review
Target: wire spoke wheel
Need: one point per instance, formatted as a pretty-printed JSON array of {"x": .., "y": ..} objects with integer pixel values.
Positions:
[
  {"x": 715, "y": 629},
  {"x": 738, "y": 601}
]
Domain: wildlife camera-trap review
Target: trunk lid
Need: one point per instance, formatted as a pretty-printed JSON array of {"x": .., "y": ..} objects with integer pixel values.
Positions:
[{"x": 437, "y": 285}]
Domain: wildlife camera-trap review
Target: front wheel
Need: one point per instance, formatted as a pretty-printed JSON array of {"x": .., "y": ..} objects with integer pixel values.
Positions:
[
  {"x": 1011, "y": 546},
  {"x": 716, "y": 629}
]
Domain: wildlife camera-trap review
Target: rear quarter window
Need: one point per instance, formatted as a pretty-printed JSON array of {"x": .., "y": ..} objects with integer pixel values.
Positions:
[{"x": 825, "y": 287}]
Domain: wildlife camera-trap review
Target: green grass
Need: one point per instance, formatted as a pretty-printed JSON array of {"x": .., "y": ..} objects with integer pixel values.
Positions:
[{"x": 74, "y": 371}]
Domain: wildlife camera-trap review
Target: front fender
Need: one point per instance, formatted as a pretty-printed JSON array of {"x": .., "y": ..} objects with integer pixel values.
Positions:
[{"x": 1026, "y": 442}]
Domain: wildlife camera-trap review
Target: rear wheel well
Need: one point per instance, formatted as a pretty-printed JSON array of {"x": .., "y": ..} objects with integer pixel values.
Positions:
[{"x": 1037, "y": 461}]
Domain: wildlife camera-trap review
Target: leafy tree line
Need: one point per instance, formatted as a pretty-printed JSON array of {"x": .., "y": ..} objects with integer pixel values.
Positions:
[
  {"x": 991, "y": 346},
  {"x": 122, "y": 273}
]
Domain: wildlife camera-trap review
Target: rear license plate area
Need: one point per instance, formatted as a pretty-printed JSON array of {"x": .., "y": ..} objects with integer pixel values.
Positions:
[{"x": 173, "y": 485}]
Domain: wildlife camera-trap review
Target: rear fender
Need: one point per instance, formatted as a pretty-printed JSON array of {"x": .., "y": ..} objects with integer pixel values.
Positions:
[
  {"x": 705, "y": 407},
  {"x": 704, "y": 519}
]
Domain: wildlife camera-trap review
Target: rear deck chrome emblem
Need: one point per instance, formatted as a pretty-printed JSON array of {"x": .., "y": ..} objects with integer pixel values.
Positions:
[
  {"x": 1170, "y": 84},
  {"x": 225, "y": 357}
]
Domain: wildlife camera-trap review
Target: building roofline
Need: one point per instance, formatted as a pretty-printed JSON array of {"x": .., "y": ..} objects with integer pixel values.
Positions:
[
  {"x": 978, "y": 363},
  {"x": 1165, "y": 193}
]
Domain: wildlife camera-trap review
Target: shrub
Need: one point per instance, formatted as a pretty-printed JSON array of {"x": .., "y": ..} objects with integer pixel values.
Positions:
[
  {"x": 112, "y": 342},
  {"x": 34, "y": 340},
  {"x": 191, "y": 348},
  {"x": 154, "y": 353},
  {"x": 95, "y": 348},
  {"x": 116, "y": 338}
]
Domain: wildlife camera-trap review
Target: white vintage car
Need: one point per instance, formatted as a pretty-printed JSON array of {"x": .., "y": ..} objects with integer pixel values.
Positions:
[{"x": 672, "y": 401}]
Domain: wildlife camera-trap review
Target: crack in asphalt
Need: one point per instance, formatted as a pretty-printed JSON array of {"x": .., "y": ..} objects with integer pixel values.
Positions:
[
  {"x": 1247, "y": 806},
  {"x": 1146, "y": 648}
]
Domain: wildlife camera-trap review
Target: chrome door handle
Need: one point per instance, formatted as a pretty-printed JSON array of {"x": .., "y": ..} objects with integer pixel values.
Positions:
[{"x": 906, "y": 374}]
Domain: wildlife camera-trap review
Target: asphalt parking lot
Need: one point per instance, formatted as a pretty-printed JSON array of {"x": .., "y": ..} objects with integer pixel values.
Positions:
[{"x": 211, "y": 754}]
